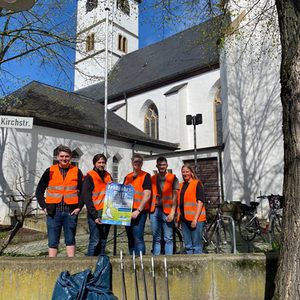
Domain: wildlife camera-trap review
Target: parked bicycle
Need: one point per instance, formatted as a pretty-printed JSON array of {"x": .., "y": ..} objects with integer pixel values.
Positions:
[
  {"x": 250, "y": 226},
  {"x": 219, "y": 234}
]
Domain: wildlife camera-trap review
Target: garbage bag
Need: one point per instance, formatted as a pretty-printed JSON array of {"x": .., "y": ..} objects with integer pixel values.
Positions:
[{"x": 85, "y": 285}]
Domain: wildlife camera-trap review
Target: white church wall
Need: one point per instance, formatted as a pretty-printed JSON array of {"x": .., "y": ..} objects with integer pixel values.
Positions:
[
  {"x": 195, "y": 97},
  {"x": 252, "y": 112},
  {"x": 89, "y": 66},
  {"x": 27, "y": 154}
]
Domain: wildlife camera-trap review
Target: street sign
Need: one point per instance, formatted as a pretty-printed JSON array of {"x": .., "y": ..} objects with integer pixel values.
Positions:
[{"x": 16, "y": 122}]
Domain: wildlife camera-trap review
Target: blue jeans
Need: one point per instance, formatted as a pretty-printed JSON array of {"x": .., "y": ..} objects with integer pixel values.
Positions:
[
  {"x": 192, "y": 237},
  {"x": 98, "y": 237},
  {"x": 135, "y": 234},
  {"x": 56, "y": 223},
  {"x": 160, "y": 226}
]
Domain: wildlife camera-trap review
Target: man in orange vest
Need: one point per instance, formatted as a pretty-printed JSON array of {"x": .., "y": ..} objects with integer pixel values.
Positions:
[
  {"x": 141, "y": 181},
  {"x": 165, "y": 188},
  {"x": 62, "y": 183},
  {"x": 93, "y": 193}
]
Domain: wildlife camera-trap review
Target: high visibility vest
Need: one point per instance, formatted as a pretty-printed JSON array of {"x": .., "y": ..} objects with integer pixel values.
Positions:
[
  {"x": 60, "y": 188},
  {"x": 137, "y": 183},
  {"x": 190, "y": 202},
  {"x": 98, "y": 192},
  {"x": 167, "y": 193}
]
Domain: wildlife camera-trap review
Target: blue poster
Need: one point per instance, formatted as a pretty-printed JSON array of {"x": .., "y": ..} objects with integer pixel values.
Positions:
[{"x": 118, "y": 203}]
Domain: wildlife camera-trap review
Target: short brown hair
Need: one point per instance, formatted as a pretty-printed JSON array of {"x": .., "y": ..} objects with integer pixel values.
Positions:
[
  {"x": 98, "y": 156},
  {"x": 62, "y": 148},
  {"x": 139, "y": 156}
]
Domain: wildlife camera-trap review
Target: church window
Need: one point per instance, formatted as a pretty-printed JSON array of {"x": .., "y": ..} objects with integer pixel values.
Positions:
[
  {"x": 124, "y": 6},
  {"x": 122, "y": 43},
  {"x": 151, "y": 121},
  {"x": 90, "y": 5},
  {"x": 90, "y": 42},
  {"x": 115, "y": 169}
]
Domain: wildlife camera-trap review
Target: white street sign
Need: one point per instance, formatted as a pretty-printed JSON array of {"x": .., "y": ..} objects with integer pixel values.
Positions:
[{"x": 16, "y": 122}]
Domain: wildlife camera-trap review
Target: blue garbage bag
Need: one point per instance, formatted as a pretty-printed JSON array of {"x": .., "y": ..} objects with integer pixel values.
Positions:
[{"x": 85, "y": 285}]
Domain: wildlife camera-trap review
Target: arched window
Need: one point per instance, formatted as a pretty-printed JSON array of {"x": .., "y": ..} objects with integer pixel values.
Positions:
[
  {"x": 115, "y": 169},
  {"x": 122, "y": 43},
  {"x": 151, "y": 121},
  {"x": 90, "y": 42},
  {"x": 90, "y": 5},
  {"x": 124, "y": 6}
]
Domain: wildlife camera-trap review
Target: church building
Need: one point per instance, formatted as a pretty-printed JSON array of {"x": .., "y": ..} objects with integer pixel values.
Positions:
[{"x": 233, "y": 83}]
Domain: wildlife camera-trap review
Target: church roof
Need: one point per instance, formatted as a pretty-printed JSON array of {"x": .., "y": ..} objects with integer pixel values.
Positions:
[
  {"x": 190, "y": 52},
  {"x": 57, "y": 108}
]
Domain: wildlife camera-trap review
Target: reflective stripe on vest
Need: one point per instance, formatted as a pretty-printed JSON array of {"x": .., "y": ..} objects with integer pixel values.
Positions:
[
  {"x": 190, "y": 202},
  {"x": 60, "y": 187},
  {"x": 98, "y": 193},
  {"x": 167, "y": 193},
  {"x": 137, "y": 183}
]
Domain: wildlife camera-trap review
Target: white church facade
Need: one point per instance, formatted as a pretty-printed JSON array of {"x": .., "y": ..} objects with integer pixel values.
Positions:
[{"x": 150, "y": 92}]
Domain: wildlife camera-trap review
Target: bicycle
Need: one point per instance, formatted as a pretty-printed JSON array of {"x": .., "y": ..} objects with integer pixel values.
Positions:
[
  {"x": 218, "y": 234},
  {"x": 249, "y": 224}
]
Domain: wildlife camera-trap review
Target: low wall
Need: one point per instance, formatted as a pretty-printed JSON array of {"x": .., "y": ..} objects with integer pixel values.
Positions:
[{"x": 240, "y": 276}]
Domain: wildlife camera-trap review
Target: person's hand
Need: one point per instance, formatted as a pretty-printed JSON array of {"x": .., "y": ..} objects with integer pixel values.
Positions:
[
  {"x": 170, "y": 217},
  {"x": 45, "y": 211},
  {"x": 194, "y": 224},
  {"x": 98, "y": 221},
  {"x": 75, "y": 212},
  {"x": 135, "y": 214}
]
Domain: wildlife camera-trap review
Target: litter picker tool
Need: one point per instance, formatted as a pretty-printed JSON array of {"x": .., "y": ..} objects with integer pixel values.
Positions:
[
  {"x": 166, "y": 279},
  {"x": 136, "y": 287},
  {"x": 124, "y": 294},
  {"x": 153, "y": 277},
  {"x": 144, "y": 278}
]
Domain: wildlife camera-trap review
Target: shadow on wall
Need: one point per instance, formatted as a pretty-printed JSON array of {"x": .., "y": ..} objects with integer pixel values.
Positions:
[{"x": 255, "y": 135}]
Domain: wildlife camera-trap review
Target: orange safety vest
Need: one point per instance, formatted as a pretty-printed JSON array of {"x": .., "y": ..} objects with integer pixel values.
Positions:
[
  {"x": 59, "y": 188},
  {"x": 190, "y": 202},
  {"x": 167, "y": 193},
  {"x": 98, "y": 192},
  {"x": 137, "y": 183}
]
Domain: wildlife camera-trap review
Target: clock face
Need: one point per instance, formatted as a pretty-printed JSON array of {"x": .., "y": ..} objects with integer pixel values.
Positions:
[
  {"x": 91, "y": 4},
  {"x": 124, "y": 6}
]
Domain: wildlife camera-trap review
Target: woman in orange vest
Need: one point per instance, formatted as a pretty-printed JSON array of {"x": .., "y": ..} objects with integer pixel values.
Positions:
[
  {"x": 191, "y": 210},
  {"x": 93, "y": 193}
]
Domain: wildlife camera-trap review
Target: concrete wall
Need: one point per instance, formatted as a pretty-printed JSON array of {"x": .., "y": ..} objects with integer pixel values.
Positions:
[{"x": 190, "y": 277}]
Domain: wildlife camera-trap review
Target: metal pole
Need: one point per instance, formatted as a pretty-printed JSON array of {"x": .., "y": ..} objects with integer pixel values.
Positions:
[
  {"x": 195, "y": 144},
  {"x": 153, "y": 277},
  {"x": 105, "y": 79}
]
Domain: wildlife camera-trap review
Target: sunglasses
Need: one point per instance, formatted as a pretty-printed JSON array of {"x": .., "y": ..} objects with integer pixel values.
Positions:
[{"x": 137, "y": 161}]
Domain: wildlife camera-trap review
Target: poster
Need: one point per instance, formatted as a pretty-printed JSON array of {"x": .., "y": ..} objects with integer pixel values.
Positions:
[{"x": 118, "y": 203}]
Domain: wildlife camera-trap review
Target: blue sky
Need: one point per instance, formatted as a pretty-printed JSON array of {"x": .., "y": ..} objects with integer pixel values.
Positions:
[{"x": 27, "y": 70}]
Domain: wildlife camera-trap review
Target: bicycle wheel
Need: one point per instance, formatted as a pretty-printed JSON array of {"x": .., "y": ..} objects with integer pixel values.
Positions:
[
  {"x": 248, "y": 227},
  {"x": 178, "y": 245},
  {"x": 276, "y": 227}
]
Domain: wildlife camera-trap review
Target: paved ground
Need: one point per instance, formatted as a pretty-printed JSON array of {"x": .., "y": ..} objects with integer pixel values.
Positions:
[{"x": 40, "y": 248}]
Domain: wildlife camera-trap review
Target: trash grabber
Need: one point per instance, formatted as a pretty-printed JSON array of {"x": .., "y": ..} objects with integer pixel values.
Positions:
[
  {"x": 153, "y": 277},
  {"x": 166, "y": 278},
  {"x": 124, "y": 294},
  {"x": 144, "y": 278},
  {"x": 136, "y": 287}
]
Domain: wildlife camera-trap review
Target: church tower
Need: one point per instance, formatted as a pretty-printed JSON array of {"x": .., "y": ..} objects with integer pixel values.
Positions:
[{"x": 122, "y": 37}]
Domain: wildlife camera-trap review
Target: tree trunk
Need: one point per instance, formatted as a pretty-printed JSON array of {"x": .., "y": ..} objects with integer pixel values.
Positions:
[{"x": 288, "y": 274}]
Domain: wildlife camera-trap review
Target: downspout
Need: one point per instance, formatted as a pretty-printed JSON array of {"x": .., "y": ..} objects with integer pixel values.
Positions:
[
  {"x": 126, "y": 107},
  {"x": 221, "y": 172}
]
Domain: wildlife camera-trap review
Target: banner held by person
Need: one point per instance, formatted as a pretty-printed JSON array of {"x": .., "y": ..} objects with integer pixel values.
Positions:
[{"x": 118, "y": 203}]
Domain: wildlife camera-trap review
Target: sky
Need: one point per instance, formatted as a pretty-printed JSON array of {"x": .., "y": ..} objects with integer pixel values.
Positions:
[{"x": 27, "y": 70}]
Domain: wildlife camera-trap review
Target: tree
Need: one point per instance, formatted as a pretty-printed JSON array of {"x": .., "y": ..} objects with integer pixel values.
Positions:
[
  {"x": 45, "y": 35},
  {"x": 288, "y": 16}
]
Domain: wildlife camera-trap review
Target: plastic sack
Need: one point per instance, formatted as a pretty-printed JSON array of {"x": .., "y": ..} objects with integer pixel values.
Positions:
[{"x": 85, "y": 285}]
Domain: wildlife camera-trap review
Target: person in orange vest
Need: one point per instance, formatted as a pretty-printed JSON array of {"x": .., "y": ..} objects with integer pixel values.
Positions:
[
  {"x": 163, "y": 207},
  {"x": 58, "y": 194},
  {"x": 93, "y": 193},
  {"x": 191, "y": 210},
  {"x": 141, "y": 182}
]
